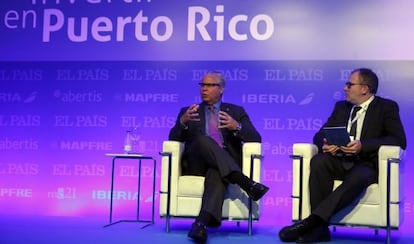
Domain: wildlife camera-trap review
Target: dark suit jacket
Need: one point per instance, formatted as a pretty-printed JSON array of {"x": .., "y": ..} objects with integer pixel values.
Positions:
[
  {"x": 232, "y": 141},
  {"x": 382, "y": 126}
]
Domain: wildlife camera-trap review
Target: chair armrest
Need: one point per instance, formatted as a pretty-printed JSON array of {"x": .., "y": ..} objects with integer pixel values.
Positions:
[
  {"x": 386, "y": 151},
  {"x": 394, "y": 155},
  {"x": 304, "y": 151},
  {"x": 302, "y": 154},
  {"x": 252, "y": 152},
  {"x": 173, "y": 149}
]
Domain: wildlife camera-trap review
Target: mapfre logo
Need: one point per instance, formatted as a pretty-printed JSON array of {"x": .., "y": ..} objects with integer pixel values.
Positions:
[
  {"x": 86, "y": 145},
  {"x": 16, "y": 97}
]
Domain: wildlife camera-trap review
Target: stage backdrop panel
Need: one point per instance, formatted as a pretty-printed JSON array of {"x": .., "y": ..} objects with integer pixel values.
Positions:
[{"x": 59, "y": 119}]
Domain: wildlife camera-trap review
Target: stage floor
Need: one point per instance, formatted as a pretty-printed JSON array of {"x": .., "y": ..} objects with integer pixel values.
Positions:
[{"x": 79, "y": 230}]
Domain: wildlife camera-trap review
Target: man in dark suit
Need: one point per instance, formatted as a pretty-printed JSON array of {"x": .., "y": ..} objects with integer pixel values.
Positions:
[
  {"x": 213, "y": 132},
  {"x": 376, "y": 122}
]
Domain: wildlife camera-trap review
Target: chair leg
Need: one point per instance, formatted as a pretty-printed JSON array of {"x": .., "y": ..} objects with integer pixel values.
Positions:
[
  {"x": 388, "y": 235},
  {"x": 167, "y": 224},
  {"x": 250, "y": 218},
  {"x": 250, "y": 227},
  {"x": 376, "y": 231}
]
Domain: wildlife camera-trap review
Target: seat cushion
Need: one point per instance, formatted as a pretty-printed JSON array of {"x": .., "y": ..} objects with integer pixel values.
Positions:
[
  {"x": 371, "y": 196},
  {"x": 190, "y": 186},
  {"x": 190, "y": 191}
]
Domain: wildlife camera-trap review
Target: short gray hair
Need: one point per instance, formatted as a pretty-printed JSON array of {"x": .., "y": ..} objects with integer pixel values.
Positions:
[{"x": 219, "y": 75}]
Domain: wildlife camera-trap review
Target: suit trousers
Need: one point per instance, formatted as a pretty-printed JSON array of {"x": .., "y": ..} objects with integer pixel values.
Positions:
[
  {"x": 324, "y": 170},
  {"x": 207, "y": 158},
  {"x": 204, "y": 153}
]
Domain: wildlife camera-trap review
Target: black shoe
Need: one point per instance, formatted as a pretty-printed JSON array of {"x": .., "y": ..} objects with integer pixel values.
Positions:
[
  {"x": 318, "y": 234},
  {"x": 198, "y": 232},
  {"x": 257, "y": 191},
  {"x": 292, "y": 233}
]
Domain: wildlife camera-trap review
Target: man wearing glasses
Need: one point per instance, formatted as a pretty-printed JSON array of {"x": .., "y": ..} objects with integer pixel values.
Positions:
[
  {"x": 213, "y": 132},
  {"x": 372, "y": 121}
]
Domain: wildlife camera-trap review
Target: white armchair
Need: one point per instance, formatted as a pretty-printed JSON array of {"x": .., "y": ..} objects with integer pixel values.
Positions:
[
  {"x": 379, "y": 207},
  {"x": 180, "y": 195}
]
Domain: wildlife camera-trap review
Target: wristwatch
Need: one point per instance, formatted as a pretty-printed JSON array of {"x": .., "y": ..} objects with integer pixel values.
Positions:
[
  {"x": 239, "y": 127},
  {"x": 184, "y": 126}
]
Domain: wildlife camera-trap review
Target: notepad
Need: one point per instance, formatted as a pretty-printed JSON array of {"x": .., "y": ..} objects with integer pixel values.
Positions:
[{"x": 336, "y": 135}]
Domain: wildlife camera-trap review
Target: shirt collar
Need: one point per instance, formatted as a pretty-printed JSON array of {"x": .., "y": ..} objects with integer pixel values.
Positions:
[
  {"x": 365, "y": 104},
  {"x": 216, "y": 105}
]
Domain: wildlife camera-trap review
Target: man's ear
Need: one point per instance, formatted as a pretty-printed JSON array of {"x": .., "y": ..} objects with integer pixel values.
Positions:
[
  {"x": 365, "y": 90},
  {"x": 222, "y": 90}
]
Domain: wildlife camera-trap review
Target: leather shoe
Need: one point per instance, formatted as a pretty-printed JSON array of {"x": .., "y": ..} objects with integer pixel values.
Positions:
[
  {"x": 318, "y": 234},
  {"x": 292, "y": 233},
  {"x": 198, "y": 232},
  {"x": 257, "y": 191}
]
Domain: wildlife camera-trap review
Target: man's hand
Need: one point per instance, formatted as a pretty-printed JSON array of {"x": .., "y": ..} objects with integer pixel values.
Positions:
[
  {"x": 226, "y": 121},
  {"x": 190, "y": 115},
  {"x": 354, "y": 147},
  {"x": 326, "y": 148}
]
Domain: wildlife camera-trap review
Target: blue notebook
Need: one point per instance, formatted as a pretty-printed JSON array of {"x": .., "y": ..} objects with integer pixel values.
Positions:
[{"x": 336, "y": 135}]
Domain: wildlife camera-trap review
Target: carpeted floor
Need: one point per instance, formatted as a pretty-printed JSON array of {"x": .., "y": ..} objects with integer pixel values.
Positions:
[{"x": 65, "y": 230}]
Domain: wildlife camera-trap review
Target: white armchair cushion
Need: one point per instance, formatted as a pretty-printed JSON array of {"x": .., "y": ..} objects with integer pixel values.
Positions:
[{"x": 191, "y": 186}]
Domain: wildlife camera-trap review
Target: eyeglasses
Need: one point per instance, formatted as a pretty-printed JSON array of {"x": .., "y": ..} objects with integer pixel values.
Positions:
[
  {"x": 209, "y": 84},
  {"x": 350, "y": 84}
]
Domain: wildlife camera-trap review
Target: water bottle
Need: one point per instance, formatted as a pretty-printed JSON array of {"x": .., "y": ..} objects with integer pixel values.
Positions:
[
  {"x": 135, "y": 136},
  {"x": 128, "y": 142}
]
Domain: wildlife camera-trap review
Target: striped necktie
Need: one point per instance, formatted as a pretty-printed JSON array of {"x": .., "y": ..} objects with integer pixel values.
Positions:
[{"x": 354, "y": 123}]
